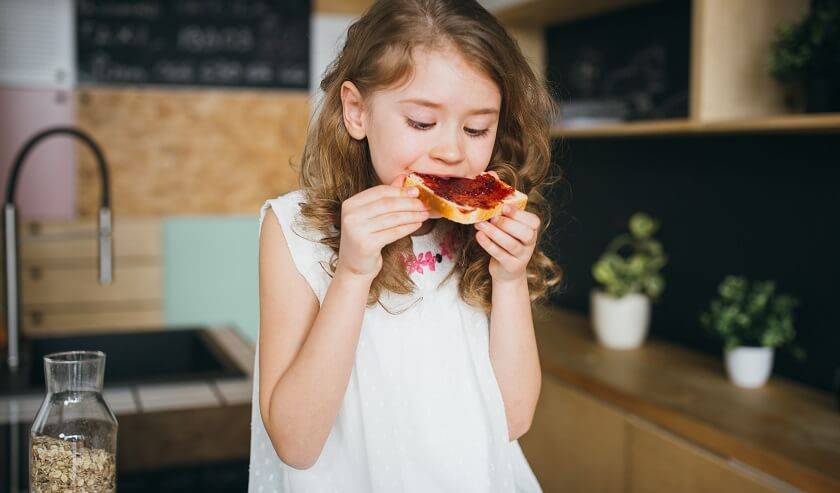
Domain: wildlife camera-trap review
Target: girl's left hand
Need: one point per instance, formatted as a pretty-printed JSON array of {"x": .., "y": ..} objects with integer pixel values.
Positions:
[{"x": 510, "y": 240}]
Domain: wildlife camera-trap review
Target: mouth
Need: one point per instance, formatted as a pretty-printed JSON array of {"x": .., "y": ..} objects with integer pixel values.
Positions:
[{"x": 437, "y": 175}]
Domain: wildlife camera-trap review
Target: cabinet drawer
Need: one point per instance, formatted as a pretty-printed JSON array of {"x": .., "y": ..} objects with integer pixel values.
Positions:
[
  {"x": 660, "y": 461},
  {"x": 575, "y": 443},
  {"x": 42, "y": 284}
]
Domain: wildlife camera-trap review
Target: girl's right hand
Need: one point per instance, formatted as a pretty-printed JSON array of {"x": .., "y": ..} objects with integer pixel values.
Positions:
[{"x": 374, "y": 218}]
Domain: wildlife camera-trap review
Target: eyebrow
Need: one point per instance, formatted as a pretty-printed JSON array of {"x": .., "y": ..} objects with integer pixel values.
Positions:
[{"x": 432, "y": 104}]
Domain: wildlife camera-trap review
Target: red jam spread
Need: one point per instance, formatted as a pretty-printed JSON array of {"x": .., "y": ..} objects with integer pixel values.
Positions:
[{"x": 484, "y": 191}]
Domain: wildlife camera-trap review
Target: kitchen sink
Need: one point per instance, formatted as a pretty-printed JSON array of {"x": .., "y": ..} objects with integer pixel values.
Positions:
[{"x": 173, "y": 355}]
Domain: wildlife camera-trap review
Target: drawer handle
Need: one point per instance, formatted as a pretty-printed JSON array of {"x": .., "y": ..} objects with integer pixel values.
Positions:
[
  {"x": 37, "y": 317},
  {"x": 36, "y": 273}
]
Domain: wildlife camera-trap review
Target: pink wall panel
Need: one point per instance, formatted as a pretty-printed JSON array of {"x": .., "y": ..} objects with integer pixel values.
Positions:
[{"x": 47, "y": 185}]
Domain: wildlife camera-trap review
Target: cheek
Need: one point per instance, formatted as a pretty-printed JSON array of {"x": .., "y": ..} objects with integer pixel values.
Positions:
[
  {"x": 393, "y": 149},
  {"x": 480, "y": 154}
]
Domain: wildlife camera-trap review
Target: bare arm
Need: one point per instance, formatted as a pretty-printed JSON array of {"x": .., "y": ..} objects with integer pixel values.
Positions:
[
  {"x": 513, "y": 354},
  {"x": 511, "y": 239},
  {"x": 306, "y": 354}
]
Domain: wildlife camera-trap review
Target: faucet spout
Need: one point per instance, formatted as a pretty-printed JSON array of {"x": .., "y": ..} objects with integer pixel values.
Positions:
[{"x": 10, "y": 239}]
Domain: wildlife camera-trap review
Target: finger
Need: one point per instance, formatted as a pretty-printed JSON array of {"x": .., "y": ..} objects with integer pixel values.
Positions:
[
  {"x": 493, "y": 249},
  {"x": 525, "y": 217},
  {"x": 391, "y": 235},
  {"x": 501, "y": 238},
  {"x": 399, "y": 180},
  {"x": 518, "y": 230},
  {"x": 394, "y": 219},
  {"x": 391, "y": 204},
  {"x": 378, "y": 192}
]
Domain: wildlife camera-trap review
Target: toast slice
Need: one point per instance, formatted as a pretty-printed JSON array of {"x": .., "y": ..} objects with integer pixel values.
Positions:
[{"x": 466, "y": 200}]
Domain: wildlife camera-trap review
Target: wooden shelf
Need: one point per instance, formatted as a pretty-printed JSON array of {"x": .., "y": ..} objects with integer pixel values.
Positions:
[
  {"x": 535, "y": 13},
  {"x": 815, "y": 123},
  {"x": 784, "y": 429}
]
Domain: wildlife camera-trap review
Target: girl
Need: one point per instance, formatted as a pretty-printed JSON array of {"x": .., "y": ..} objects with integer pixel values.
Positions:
[{"x": 396, "y": 350}]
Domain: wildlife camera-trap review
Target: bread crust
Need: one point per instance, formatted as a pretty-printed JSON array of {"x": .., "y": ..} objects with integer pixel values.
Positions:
[{"x": 460, "y": 213}]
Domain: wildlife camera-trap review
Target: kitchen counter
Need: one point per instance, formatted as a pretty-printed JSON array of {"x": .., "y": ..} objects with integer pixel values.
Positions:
[
  {"x": 784, "y": 430},
  {"x": 161, "y": 425},
  {"x": 156, "y": 397}
]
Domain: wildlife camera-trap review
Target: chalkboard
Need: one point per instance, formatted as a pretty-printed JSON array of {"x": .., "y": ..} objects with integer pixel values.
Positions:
[
  {"x": 631, "y": 64},
  {"x": 241, "y": 43}
]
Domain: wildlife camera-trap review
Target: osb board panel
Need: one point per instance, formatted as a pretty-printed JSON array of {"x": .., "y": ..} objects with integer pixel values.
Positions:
[{"x": 183, "y": 151}]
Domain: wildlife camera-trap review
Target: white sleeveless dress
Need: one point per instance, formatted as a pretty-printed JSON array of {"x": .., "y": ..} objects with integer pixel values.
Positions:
[{"x": 423, "y": 411}]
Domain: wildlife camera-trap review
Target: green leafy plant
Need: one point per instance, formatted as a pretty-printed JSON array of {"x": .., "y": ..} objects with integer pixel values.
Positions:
[
  {"x": 623, "y": 272},
  {"x": 809, "y": 48},
  {"x": 751, "y": 314}
]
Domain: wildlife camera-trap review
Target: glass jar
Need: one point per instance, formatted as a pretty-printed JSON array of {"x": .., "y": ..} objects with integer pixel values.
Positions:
[{"x": 73, "y": 440}]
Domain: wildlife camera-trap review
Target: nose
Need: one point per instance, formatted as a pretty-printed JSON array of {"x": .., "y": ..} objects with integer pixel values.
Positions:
[{"x": 449, "y": 147}]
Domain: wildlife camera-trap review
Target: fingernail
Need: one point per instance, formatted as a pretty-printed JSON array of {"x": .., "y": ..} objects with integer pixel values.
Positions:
[
  {"x": 413, "y": 191},
  {"x": 506, "y": 209}
]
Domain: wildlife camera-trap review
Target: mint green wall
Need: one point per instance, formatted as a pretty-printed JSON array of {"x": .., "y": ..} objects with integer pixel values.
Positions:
[{"x": 210, "y": 270}]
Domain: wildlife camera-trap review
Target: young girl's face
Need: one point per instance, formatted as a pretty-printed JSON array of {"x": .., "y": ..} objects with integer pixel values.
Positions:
[{"x": 442, "y": 122}]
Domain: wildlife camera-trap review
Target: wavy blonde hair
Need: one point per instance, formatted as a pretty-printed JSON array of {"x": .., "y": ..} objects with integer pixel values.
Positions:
[{"x": 377, "y": 54}]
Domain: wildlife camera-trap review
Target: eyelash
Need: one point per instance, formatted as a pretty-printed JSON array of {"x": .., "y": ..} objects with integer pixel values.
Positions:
[{"x": 419, "y": 126}]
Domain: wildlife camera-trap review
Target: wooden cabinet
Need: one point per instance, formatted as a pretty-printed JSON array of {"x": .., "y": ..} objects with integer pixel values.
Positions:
[
  {"x": 576, "y": 443},
  {"x": 659, "y": 461}
]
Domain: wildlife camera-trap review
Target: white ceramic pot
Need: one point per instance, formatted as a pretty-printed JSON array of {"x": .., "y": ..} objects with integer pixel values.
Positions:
[
  {"x": 749, "y": 367},
  {"x": 620, "y": 323}
]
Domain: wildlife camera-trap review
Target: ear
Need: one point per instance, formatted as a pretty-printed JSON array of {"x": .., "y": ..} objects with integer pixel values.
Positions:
[{"x": 353, "y": 110}]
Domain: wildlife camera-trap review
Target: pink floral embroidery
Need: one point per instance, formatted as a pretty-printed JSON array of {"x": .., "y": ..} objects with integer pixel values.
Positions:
[
  {"x": 447, "y": 247},
  {"x": 415, "y": 263}
]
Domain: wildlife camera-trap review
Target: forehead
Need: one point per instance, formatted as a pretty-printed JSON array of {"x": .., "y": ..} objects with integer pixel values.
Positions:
[{"x": 445, "y": 77}]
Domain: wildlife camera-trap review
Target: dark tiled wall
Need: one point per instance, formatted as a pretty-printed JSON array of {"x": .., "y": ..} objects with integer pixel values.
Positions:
[{"x": 762, "y": 206}]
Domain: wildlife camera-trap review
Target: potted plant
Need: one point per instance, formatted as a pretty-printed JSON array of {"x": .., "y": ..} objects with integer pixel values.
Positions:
[
  {"x": 752, "y": 320},
  {"x": 805, "y": 58},
  {"x": 629, "y": 272}
]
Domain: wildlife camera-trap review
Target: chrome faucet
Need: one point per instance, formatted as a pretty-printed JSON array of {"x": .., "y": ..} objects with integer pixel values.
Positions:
[{"x": 105, "y": 251}]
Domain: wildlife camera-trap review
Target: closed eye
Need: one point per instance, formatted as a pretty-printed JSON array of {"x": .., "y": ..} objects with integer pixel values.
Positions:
[
  {"x": 426, "y": 126},
  {"x": 477, "y": 133},
  {"x": 419, "y": 126}
]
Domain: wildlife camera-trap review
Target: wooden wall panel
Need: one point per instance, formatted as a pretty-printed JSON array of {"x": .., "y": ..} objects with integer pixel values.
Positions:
[
  {"x": 75, "y": 285},
  {"x": 60, "y": 291},
  {"x": 182, "y": 151},
  {"x": 91, "y": 319},
  {"x": 731, "y": 42},
  {"x": 63, "y": 242}
]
